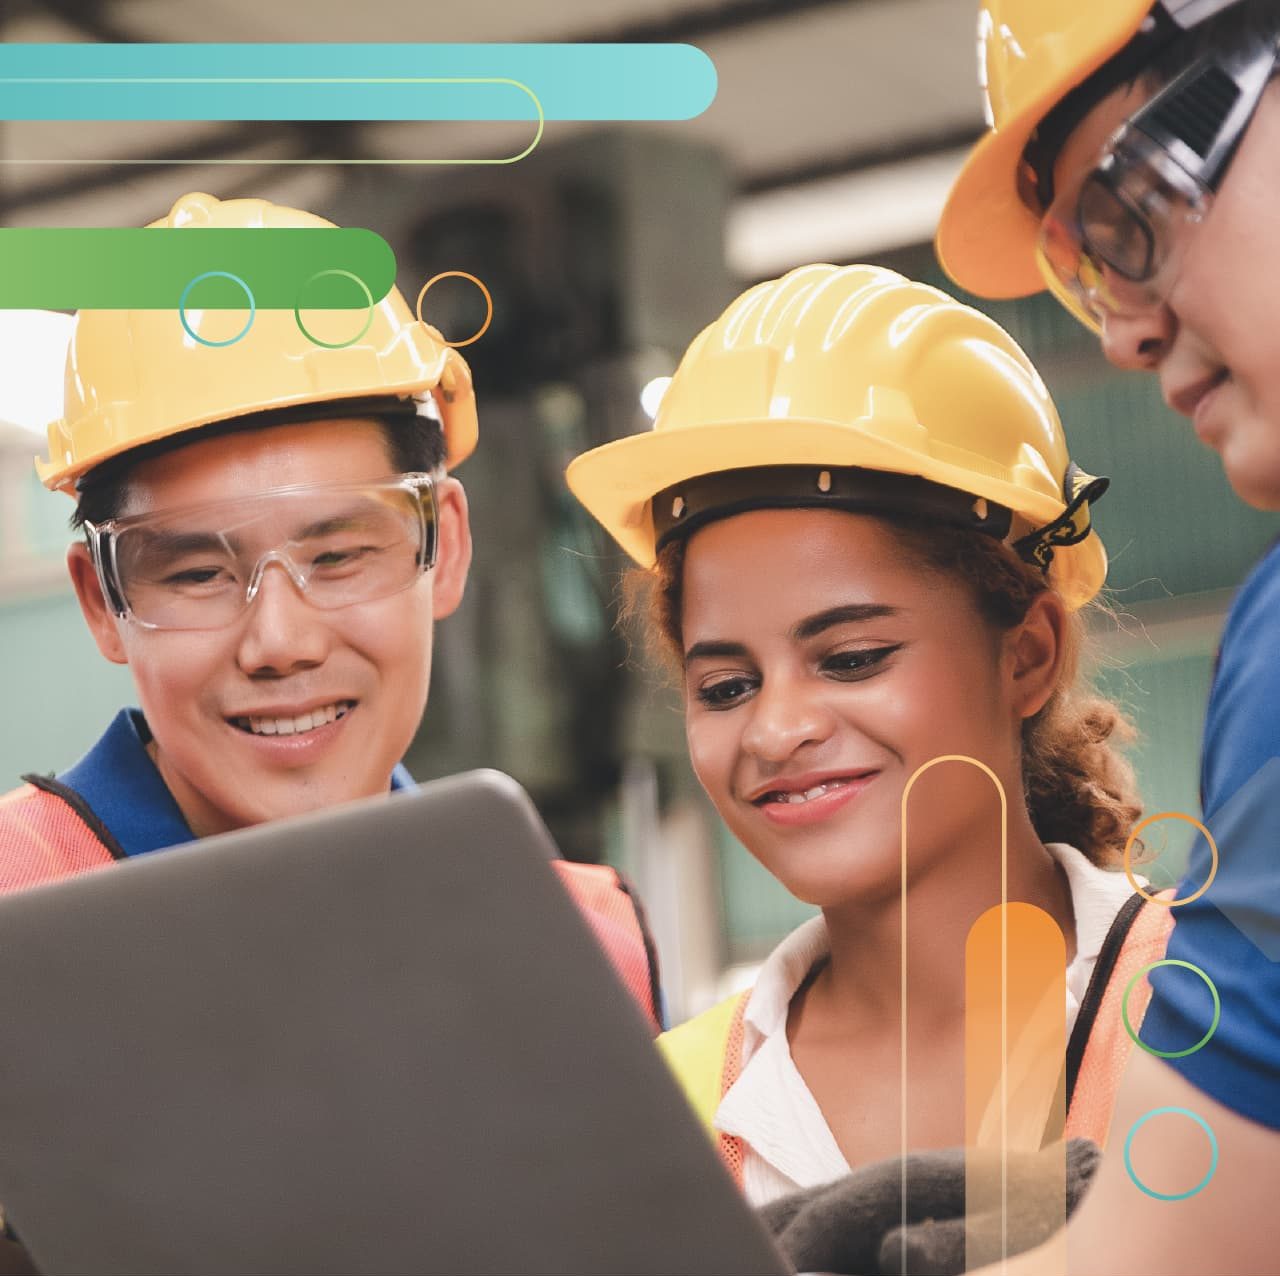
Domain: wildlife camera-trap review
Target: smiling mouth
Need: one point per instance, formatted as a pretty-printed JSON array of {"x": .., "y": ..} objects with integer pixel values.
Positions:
[
  {"x": 800, "y": 796},
  {"x": 298, "y": 724},
  {"x": 1186, "y": 402}
]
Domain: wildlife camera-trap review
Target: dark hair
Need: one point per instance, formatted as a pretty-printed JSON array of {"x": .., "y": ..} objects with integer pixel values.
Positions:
[
  {"x": 1247, "y": 20},
  {"x": 415, "y": 444},
  {"x": 1156, "y": 55},
  {"x": 1079, "y": 789}
]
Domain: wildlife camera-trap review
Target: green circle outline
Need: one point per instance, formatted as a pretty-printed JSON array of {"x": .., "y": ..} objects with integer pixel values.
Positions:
[
  {"x": 1171, "y": 1054},
  {"x": 182, "y": 309},
  {"x": 1171, "y": 1196},
  {"x": 368, "y": 320}
]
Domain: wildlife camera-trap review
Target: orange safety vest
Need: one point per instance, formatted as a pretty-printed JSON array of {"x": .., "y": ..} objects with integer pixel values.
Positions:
[
  {"x": 47, "y": 831},
  {"x": 706, "y": 1052}
]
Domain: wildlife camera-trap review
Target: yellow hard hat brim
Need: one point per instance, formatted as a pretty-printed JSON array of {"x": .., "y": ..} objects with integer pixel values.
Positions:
[
  {"x": 616, "y": 482},
  {"x": 986, "y": 238}
]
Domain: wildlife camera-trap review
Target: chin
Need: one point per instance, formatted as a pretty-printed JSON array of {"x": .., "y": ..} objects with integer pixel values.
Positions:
[
  {"x": 1257, "y": 486},
  {"x": 855, "y": 882}
]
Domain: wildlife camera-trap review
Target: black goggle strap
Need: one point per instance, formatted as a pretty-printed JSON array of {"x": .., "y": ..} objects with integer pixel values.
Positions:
[
  {"x": 681, "y": 509},
  {"x": 1079, "y": 490},
  {"x": 1200, "y": 118}
]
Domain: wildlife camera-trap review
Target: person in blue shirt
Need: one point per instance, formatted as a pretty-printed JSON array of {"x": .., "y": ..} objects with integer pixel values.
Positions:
[{"x": 1133, "y": 168}]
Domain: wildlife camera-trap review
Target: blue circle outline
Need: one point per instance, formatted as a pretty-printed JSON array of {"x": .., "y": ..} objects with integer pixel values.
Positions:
[
  {"x": 1171, "y": 1196},
  {"x": 370, "y": 307},
  {"x": 182, "y": 308}
]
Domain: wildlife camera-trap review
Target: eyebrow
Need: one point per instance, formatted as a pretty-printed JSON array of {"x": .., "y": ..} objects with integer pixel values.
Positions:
[
  {"x": 809, "y": 627},
  {"x": 703, "y": 650},
  {"x": 327, "y": 526},
  {"x": 848, "y": 614},
  {"x": 176, "y": 544}
]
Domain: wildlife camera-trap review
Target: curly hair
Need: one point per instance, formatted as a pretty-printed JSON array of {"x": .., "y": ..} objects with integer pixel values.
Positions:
[{"x": 1079, "y": 788}]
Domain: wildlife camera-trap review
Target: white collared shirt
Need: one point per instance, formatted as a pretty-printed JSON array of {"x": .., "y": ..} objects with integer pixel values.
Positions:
[{"x": 788, "y": 1144}]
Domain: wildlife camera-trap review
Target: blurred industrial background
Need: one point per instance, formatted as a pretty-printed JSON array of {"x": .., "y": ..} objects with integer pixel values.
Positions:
[{"x": 834, "y": 135}]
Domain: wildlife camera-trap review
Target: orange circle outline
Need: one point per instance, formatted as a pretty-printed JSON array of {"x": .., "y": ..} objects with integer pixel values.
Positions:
[
  {"x": 1128, "y": 857},
  {"x": 458, "y": 274}
]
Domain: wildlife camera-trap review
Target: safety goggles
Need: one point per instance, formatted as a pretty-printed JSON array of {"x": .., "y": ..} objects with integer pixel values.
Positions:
[
  {"x": 1113, "y": 243},
  {"x": 201, "y": 567}
]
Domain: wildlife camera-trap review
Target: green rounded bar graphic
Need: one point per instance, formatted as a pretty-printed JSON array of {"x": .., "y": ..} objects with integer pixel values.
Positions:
[{"x": 150, "y": 269}]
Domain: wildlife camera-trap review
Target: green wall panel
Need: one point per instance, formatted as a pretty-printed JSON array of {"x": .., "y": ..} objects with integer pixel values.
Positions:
[{"x": 59, "y": 693}]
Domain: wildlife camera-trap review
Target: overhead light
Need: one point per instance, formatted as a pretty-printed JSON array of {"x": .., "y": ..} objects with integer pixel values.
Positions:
[
  {"x": 651, "y": 396},
  {"x": 33, "y": 355},
  {"x": 840, "y": 219}
]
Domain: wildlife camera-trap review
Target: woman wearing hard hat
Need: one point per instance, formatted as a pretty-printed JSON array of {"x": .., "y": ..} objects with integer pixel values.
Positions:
[
  {"x": 1133, "y": 168},
  {"x": 869, "y": 550}
]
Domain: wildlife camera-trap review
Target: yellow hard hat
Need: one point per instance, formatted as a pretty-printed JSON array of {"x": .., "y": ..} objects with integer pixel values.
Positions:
[
  {"x": 134, "y": 376},
  {"x": 830, "y": 372},
  {"x": 1031, "y": 54}
]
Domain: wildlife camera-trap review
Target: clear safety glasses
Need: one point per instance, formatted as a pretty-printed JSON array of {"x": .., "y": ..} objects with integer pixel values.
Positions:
[
  {"x": 201, "y": 567},
  {"x": 1113, "y": 242}
]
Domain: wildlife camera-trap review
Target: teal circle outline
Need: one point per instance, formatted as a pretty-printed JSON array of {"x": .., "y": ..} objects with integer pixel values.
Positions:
[
  {"x": 182, "y": 308},
  {"x": 1171, "y": 1054},
  {"x": 1171, "y": 1196},
  {"x": 368, "y": 320}
]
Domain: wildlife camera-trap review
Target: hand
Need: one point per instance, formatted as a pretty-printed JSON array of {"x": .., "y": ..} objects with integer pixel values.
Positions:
[{"x": 854, "y": 1225}]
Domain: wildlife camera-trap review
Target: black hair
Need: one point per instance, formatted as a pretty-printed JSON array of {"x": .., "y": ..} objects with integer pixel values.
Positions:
[
  {"x": 1157, "y": 54},
  {"x": 1244, "y": 22},
  {"x": 415, "y": 445}
]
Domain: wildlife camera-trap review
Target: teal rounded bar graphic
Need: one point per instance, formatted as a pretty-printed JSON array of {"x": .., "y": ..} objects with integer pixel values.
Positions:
[{"x": 354, "y": 81}]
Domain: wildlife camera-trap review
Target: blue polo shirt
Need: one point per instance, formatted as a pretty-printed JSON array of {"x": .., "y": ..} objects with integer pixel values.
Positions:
[
  {"x": 120, "y": 784},
  {"x": 1231, "y": 933}
]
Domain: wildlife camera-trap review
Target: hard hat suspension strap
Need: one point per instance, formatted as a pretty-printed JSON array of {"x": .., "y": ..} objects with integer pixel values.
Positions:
[
  {"x": 681, "y": 509},
  {"x": 1071, "y": 526}
]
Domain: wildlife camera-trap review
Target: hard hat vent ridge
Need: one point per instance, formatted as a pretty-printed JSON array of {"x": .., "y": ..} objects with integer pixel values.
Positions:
[
  {"x": 133, "y": 377},
  {"x": 839, "y": 368}
]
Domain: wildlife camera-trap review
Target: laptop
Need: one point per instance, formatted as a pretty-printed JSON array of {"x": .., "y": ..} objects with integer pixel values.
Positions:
[{"x": 378, "y": 1039}]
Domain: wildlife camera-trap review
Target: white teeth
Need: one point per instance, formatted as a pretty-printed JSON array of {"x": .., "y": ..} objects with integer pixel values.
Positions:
[
  {"x": 795, "y": 798},
  {"x": 303, "y": 722}
]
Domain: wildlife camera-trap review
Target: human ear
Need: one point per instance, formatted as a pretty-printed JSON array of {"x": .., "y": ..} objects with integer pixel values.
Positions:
[
  {"x": 93, "y": 606},
  {"x": 453, "y": 548},
  {"x": 1036, "y": 650}
]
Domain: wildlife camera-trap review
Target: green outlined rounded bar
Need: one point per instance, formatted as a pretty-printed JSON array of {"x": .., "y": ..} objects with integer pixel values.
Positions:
[{"x": 149, "y": 269}]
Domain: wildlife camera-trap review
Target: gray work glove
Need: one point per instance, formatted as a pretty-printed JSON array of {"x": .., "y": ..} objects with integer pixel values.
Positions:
[{"x": 854, "y": 1226}]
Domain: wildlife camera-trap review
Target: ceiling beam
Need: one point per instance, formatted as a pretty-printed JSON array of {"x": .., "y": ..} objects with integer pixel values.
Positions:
[
  {"x": 90, "y": 17},
  {"x": 722, "y": 17},
  {"x": 900, "y": 151}
]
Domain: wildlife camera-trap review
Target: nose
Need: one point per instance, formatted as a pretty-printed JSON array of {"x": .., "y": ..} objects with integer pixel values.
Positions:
[
  {"x": 1138, "y": 342},
  {"x": 282, "y": 632},
  {"x": 785, "y": 715}
]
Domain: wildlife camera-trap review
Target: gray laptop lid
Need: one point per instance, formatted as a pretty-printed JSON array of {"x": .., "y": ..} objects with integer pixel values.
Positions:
[{"x": 378, "y": 1039}]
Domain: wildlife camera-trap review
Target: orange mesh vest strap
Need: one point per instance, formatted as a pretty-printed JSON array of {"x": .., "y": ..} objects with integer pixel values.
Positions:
[
  {"x": 1100, "y": 1046},
  {"x": 46, "y": 832},
  {"x": 605, "y": 897},
  {"x": 705, "y": 1054}
]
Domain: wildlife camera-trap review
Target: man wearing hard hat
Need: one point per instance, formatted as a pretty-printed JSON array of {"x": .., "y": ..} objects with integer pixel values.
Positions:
[
  {"x": 1133, "y": 169},
  {"x": 270, "y": 531}
]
